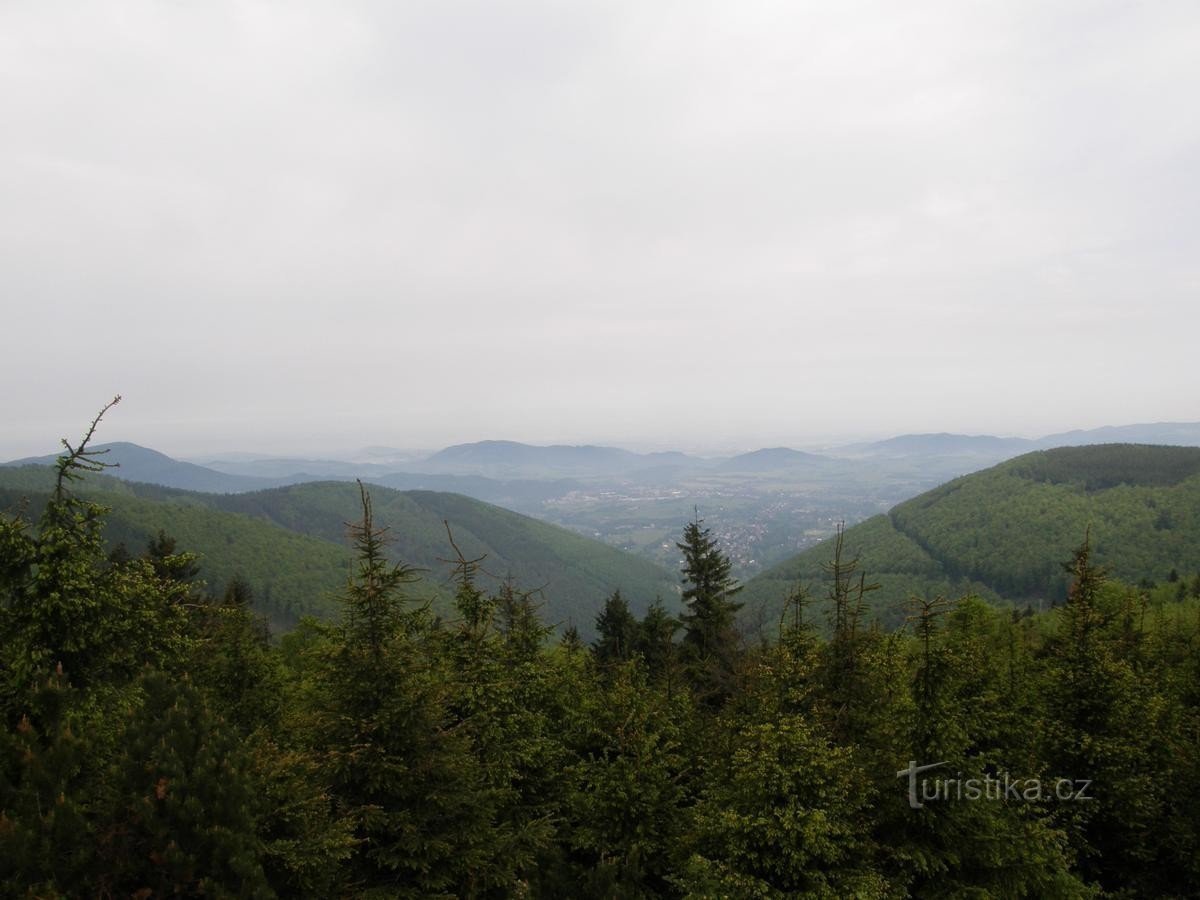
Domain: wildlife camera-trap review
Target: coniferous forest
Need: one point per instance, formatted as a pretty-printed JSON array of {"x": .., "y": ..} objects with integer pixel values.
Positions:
[
  {"x": 600, "y": 450},
  {"x": 158, "y": 742}
]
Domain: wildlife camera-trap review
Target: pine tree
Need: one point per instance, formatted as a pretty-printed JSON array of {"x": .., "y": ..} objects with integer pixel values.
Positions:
[
  {"x": 626, "y": 787},
  {"x": 617, "y": 630},
  {"x": 848, "y": 674},
  {"x": 233, "y": 661},
  {"x": 656, "y": 643},
  {"x": 382, "y": 723},
  {"x": 783, "y": 813},
  {"x": 711, "y": 640},
  {"x": 47, "y": 784},
  {"x": 183, "y": 808},
  {"x": 506, "y": 700},
  {"x": 1104, "y": 715},
  {"x": 958, "y": 847},
  {"x": 65, "y": 603}
]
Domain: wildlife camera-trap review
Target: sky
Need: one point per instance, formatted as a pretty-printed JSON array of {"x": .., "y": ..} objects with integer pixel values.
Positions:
[{"x": 292, "y": 227}]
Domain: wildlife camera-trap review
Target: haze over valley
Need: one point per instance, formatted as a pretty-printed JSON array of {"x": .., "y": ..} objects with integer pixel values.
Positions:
[{"x": 764, "y": 505}]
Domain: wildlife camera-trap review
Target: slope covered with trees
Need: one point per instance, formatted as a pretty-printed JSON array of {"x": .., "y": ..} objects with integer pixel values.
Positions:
[
  {"x": 1002, "y": 533},
  {"x": 153, "y": 742},
  {"x": 289, "y": 574},
  {"x": 573, "y": 573},
  {"x": 289, "y": 543}
]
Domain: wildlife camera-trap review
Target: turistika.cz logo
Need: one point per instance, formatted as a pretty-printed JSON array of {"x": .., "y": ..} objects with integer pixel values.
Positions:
[{"x": 988, "y": 787}]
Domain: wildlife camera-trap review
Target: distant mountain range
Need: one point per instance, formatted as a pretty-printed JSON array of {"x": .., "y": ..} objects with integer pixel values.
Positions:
[
  {"x": 135, "y": 463},
  {"x": 1000, "y": 532},
  {"x": 941, "y": 444},
  {"x": 1186, "y": 434},
  {"x": 1183, "y": 434},
  {"x": 1003, "y": 533},
  {"x": 502, "y": 471}
]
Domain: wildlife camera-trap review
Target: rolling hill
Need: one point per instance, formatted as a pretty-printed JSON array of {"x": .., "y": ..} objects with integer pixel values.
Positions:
[
  {"x": 942, "y": 444},
  {"x": 772, "y": 459},
  {"x": 290, "y": 542},
  {"x": 1184, "y": 434},
  {"x": 292, "y": 574},
  {"x": 137, "y": 463},
  {"x": 575, "y": 573},
  {"x": 1003, "y": 533}
]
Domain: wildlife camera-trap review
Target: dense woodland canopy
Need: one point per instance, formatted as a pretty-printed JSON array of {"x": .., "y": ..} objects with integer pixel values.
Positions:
[
  {"x": 1002, "y": 533},
  {"x": 289, "y": 543},
  {"x": 156, "y": 742}
]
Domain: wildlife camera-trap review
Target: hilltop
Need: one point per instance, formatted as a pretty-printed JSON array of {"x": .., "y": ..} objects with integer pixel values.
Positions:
[
  {"x": 133, "y": 462},
  {"x": 771, "y": 459}
]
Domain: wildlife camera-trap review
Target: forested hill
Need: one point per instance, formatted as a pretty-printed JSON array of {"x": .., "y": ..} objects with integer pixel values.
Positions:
[
  {"x": 290, "y": 574},
  {"x": 574, "y": 573},
  {"x": 1004, "y": 532},
  {"x": 289, "y": 543}
]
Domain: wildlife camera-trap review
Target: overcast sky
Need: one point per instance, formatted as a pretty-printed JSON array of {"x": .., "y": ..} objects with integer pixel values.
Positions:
[{"x": 297, "y": 227}]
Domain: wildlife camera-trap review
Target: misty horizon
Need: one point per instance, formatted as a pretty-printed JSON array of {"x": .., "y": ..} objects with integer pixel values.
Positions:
[
  {"x": 223, "y": 447},
  {"x": 738, "y": 226}
]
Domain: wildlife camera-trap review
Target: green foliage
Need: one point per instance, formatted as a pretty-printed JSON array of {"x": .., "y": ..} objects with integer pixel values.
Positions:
[
  {"x": 155, "y": 742},
  {"x": 711, "y": 641},
  {"x": 1105, "y": 717},
  {"x": 46, "y": 837},
  {"x": 617, "y": 629},
  {"x": 1102, "y": 466},
  {"x": 182, "y": 805},
  {"x": 1002, "y": 533},
  {"x": 289, "y": 542},
  {"x": 655, "y": 642},
  {"x": 624, "y": 809},
  {"x": 782, "y": 815},
  {"x": 380, "y": 720}
]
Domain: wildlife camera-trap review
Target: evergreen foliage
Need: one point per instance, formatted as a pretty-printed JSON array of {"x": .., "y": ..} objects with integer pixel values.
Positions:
[
  {"x": 154, "y": 741},
  {"x": 1002, "y": 533},
  {"x": 711, "y": 641},
  {"x": 617, "y": 629}
]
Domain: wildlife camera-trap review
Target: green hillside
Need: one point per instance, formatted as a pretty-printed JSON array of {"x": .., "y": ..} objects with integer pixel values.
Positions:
[
  {"x": 575, "y": 573},
  {"x": 292, "y": 574},
  {"x": 290, "y": 543},
  {"x": 1003, "y": 533}
]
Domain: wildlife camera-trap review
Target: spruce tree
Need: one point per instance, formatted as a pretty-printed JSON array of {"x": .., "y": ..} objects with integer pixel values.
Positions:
[
  {"x": 711, "y": 640},
  {"x": 617, "y": 630},
  {"x": 182, "y": 807},
  {"x": 656, "y": 643},
  {"x": 66, "y": 604},
  {"x": 1104, "y": 718},
  {"x": 381, "y": 723},
  {"x": 626, "y": 793}
]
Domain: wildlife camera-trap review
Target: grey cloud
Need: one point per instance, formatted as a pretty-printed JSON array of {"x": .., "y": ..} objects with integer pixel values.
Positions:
[{"x": 422, "y": 222}]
